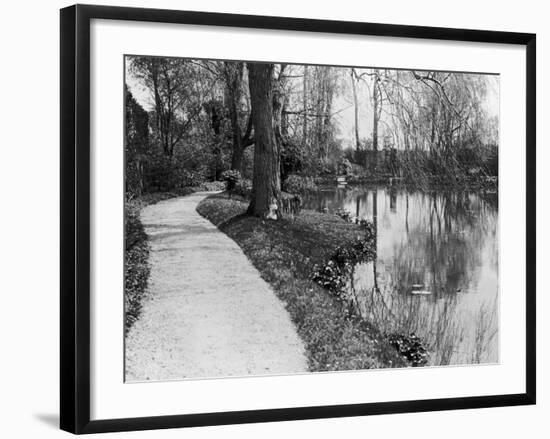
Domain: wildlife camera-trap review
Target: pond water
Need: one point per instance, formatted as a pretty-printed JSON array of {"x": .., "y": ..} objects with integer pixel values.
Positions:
[{"x": 436, "y": 270}]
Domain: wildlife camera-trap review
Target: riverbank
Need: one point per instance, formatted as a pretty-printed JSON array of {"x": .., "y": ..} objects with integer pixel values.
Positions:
[
  {"x": 489, "y": 184},
  {"x": 285, "y": 253}
]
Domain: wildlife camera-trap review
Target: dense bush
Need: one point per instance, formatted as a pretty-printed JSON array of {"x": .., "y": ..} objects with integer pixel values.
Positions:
[
  {"x": 344, "y": 167},
  {"x": 164, "y": 173},
  {"x": 212, "y": 186},
  {"x": 346, "y": 215},
  {"x": 335, "y": 274},
  {"x": 292, "y": 157},
  {"x": 298, "y": 184},
  {"x": 136, "y": 143},
  {"x": 243, "y": 187},
  {"x": 232, "y": 177},
  {"x": 190, "y": 177},
  {"x": 410, "y": 347},
  {"x": 331, "y": 276},
  {"x": 358, "y": 251}
]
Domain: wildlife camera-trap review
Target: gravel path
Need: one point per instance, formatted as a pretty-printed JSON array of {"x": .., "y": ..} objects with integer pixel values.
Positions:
[{"x": 209, "y": 313}]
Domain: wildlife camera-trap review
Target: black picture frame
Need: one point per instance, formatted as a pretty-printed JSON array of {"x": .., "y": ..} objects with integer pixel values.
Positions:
[{"x": 75, "y": 217}]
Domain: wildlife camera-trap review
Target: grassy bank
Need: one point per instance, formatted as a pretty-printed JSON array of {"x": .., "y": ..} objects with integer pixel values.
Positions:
[{"x": 285, "y": 253}]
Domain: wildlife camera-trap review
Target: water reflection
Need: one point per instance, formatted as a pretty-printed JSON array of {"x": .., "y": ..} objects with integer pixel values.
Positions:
[{"x": 436, "y": 271}]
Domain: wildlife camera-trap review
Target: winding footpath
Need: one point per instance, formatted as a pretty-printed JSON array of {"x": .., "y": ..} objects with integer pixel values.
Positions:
[{"x": 208, "y": 312}]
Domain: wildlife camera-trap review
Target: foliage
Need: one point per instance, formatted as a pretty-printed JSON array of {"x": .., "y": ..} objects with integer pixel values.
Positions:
[
  {"x": 299, "y": 184},
  {"x": 135, "y": 145},
  {"x": 409, "y": 347},
  {"x": 335, "y": 274},
  {"x": 232, "y": 176},
  {"x": 213, "y": 186},
  {"x": 243, "y": 188},
  {"x": 346, "y": 215},
  {"x": 136, "y": 265},
  {"x": 357, "y": 251},
  {"x": 292, "y": 157},
  {"x": 344, "y": 167},
  {"x": 364, "y": 223},
  {"x": 291, "y": 204},
  {"x": 186, "y": 168},
  {"x": 178, "y": 90},
  {"x": 332, "y": 276},
  {"x": 192, "y": 177}
]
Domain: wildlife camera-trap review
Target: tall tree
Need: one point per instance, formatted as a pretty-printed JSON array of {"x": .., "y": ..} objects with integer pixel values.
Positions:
[
  {"x": 376, "y": 103},
  {"x": 233, "y": 77},
  {"x": 355, "y": 108},
  {"x": 137, "y": 139},
  {"x": 173, "y": 83},
  {"x": 304, "y": 99},
  {"x": 266, "y": 183}
]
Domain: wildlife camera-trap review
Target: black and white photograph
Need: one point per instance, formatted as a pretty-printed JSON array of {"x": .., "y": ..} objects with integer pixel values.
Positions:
[
  {"x": 294, "y": 218},
  {"x": 275, "y": 220}
]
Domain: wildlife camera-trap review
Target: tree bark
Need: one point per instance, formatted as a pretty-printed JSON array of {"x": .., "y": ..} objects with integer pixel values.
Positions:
[{"x": 266, "y": 183}]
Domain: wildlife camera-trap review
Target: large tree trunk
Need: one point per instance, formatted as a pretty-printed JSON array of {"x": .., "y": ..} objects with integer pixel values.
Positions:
[{"x": 266, "y": 183}]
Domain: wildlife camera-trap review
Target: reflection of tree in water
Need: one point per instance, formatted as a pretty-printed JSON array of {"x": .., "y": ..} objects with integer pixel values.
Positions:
[
  {"x": 441, "y": 252},
  {"x": 439, "y": 258}
]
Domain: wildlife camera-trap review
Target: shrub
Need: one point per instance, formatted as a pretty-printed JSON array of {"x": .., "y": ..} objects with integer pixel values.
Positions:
[
  {"x": 344, "y": 167},
  {"x": 291, "y": 204},
  {"x": 358, "y": 251},
  {"x": 297, "y": 184},
  {"x": 335, "y": 274},
  {"x": 231, "y": 176},
  {"x": 191, "y": 178},
  {"x": 331, "y": 276},
  {"x": 365, "y": 224},
  {"x": 410, "y": 347},
  {"x": 212, "y": 186},
  {"x": 243, "y": 187},
  {"x": 346, "y": 215}
]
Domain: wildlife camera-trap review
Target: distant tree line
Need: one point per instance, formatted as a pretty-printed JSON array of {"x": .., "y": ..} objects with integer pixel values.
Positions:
[{"x": 265, "y": 123}]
